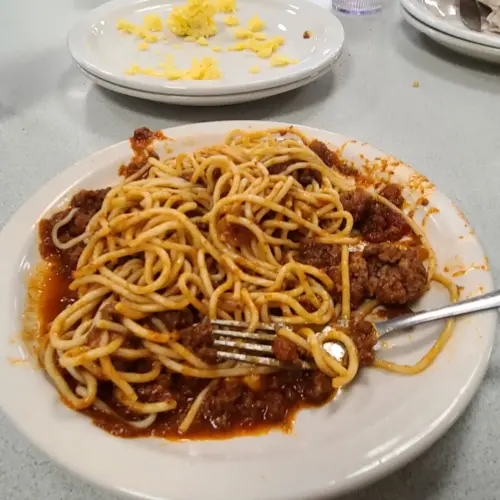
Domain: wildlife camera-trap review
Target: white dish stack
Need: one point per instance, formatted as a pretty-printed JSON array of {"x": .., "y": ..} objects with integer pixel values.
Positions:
[
  {"x": 104, "y": 54},
  {"x": 440, "y": 20}
]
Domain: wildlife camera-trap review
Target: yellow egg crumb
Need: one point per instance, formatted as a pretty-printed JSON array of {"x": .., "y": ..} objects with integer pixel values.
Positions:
[
  {"x": 204, "y": 69},
  {"x": 134, "y": 29},
  {"x": 259, "y": 36},
  {"x": 201, "y": 69},
  {"x": 143, "y": 46},
  {"x": 279, "y": 60},
  {"x": 152, "y": 22},
  {"x": 256, "y": 24},
  {"x": 254, "y": 69},
  {"x": 202, "y": 41},
  {"x": 216, "y": 49},
  {"x": 190, "y": 39},
  {"x": 416, "y": 84},
  {"x": 135, "y": 69},
  {"x": 226, "y": 6},
  {"x": 263, "y": 48},
  {"x": 231, "y": 21},
  {"x": 195, "y": 19},
  {"x": 242, "y": 33},
  {"x": 126, "y": 26},
  {"x": 177, "y": 46}
]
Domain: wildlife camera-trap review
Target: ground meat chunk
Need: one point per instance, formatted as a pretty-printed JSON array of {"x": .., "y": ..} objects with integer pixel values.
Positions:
[
  {"x": 382, "y": 224},
  {"x": 328, "y": 157},
  {"x": 222, "y": 403},
  {"x": 376, "y": 222},
  {"x": 156, "y": 391},
  {"x": 307, "y": 175},
  {"x": 89, "y": 201},
  {"x": 327, "y": 257},
  {"x": 88, "y": 204},
  {"x": 396, "y": 276},
  {"x": 364, "y": 336},
  {"x": 285, "y": 350},
  {"x": 235, "y": 234},
  {"x": 296, "y": 236},
  {"x": 198, "y": 339},
  {"x": 133, "y": 166},
  {"x": 358, "y": 277},
  {"x": 320, "y": 255},
  {"x": 176, "y": 320},
  {"x": 142, "y": 136},
  {"x": 393, "y": 193},
  {"x": 319, "y": 388},
  {"x": 273, "y": 402},
  {"x": 356, "y": 202},
  {"x": 279, "y": 168}
]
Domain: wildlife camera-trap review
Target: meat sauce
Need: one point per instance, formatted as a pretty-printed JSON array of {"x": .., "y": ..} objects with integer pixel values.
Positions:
[
  {"x": 232, "y": 408},
  {"x": 252, "y": 405}
]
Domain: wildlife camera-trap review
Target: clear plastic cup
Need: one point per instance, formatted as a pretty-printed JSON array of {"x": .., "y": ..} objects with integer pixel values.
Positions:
[{"x": 357, "y": 6}]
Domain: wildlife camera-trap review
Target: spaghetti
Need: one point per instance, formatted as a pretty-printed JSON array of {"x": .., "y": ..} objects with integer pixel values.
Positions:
[{"x": 266, "y": 227}]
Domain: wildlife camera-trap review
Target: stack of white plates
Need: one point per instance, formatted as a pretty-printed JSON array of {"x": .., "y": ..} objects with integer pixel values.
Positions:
[
  {"x": 440, "y": 20},
  {"x": 104, "y": 54}
]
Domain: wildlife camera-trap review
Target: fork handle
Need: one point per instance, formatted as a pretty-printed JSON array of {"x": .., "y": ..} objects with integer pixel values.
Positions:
[{"x": 475, "y": 304}]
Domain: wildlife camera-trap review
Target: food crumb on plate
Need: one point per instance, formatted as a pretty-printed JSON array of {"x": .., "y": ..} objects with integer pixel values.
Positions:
[
  {"x": 306, "y": 34},
  {"x": 135, "y": 29},
  {"x": 256, "y": 24},
  {"x": 231, "y": 21},
  {"x": 278, "y": 60},
  {"x": 416, "y": 84},
  {"x": 202, "y": 41},
  {"x": 216, "y": 49},
  {"x": 143, "y": 46},
  {"x": 194, "y": 19},
  {"x": 264, "y": 48},
  {"x": 152, "y": 22},
  {"x": 242, "y": 33},
  {"x": 254, "y": 70},
  {"x": 201, "y": 69},
  {"x": 225, "y": 6}
]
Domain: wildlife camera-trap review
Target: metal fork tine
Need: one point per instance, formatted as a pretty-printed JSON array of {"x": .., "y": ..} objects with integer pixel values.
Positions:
[
  {"x": 245, "y": 335},
  {"x": 244, "y": 345},
  {"x": 261, "y": 345},
  {"x": 265, "y": 361},
  {"x": 242, "y": 324}
]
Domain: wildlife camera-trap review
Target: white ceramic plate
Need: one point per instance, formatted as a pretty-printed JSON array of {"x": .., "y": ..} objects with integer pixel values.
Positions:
[
  {"x": 375, "y": 426},
  {"x": 225, "y": 100},
  {"x": 443, "y": 15},
  {"x": 102, "y": 50},
  {"x": 475, "y": 50}
]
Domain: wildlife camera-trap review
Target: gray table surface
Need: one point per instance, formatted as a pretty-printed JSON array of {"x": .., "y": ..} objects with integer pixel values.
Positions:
[{"x": 447, "y": 128}]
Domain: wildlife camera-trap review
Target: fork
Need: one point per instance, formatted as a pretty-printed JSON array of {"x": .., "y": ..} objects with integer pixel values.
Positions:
[{"x": 233, "y": 335}]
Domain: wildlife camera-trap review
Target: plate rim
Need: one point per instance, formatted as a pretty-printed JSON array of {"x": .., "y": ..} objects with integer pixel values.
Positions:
[
  {"x": 425, "y": 439},
  {"x": 419, "y": 11},
  {"x": 78, "y": 51},
  {"x": 209, "y": 100}
]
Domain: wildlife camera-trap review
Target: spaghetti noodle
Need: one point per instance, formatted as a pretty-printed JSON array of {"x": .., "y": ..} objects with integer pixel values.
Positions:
[{"x": 266, "y": 227}]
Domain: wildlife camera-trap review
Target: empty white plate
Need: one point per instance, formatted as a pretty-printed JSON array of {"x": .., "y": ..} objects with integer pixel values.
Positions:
[{"x": 99, "y": 48}]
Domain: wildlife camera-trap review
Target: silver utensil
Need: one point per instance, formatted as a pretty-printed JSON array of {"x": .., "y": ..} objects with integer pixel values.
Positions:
[
  {"x": 232, "y": 334},
  {"x": 470, "y": 14}
]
